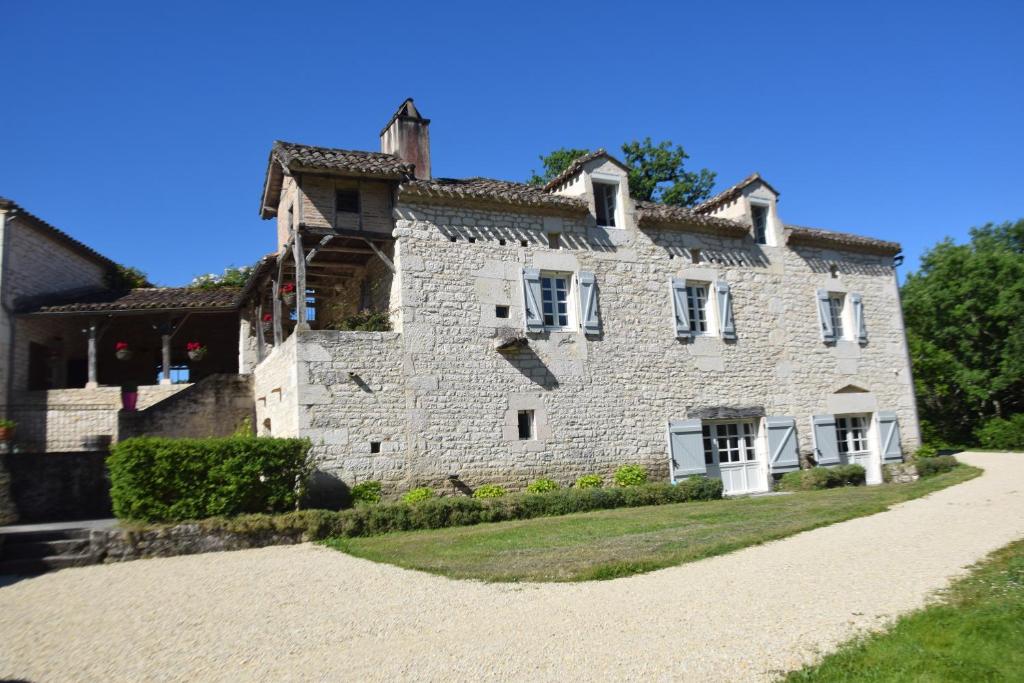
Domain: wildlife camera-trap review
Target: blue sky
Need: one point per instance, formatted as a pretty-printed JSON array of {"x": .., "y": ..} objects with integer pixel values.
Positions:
[{"x": 143, "y": 129}]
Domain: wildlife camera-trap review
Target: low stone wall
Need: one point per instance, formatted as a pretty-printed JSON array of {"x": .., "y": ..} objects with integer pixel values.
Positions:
[
  {"x": 125, "y": 544},
  {"x": 216, "y": 405},
  {"x": 57, "y": 487}
]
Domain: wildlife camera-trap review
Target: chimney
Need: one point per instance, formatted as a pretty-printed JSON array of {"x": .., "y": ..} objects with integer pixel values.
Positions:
[{"x": 407, "y": 136}]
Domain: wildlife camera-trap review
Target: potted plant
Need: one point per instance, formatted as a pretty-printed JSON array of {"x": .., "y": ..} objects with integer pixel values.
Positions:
[
  {"x": 129, "y": 396},
  {"x": 268, "y": 322},
  {"x": 122, "y": 351},
  {"x": 196, "y": 350},
  {"x": 288, "y": 293},
  {"x": 7, "y": 429}
]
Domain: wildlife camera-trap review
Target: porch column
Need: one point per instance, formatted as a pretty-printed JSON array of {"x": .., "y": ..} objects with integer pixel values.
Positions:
[
  {"x": 300, "y": 284},
  {"x": 275, "y": 293},
  {"x": 260, "y": 336},
  {"x": 165, "y": 350},
  {"x": 92, "y": 383}
]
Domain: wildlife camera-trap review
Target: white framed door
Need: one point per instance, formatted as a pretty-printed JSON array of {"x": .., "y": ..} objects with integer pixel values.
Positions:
[
  {"x": 730, "y": 454},
  {"x": 853, "y": 436}
]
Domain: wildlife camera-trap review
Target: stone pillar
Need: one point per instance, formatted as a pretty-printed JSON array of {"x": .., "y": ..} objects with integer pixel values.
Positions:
[
  {"x": 92, "y": 383},
  {"x": 165, "y": 351}
]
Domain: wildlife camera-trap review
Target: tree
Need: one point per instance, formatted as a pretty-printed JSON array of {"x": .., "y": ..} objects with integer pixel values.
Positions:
[
  {"x": 233, "y": 276},
  {"x": 123, "y": 277},
  {"x": 964, "y": 312},
  {"x": 656, "y": 172}
]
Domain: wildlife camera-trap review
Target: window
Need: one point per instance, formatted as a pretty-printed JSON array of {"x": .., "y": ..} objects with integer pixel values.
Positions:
[
  {"x": 836, "y": 304},
  {"x": 179, "y": 374},
  {"x": 375, "y": 446},
  {"x": 554, "y": 240},
  {"x": 759, "y": 216},
  {"x": 346, "y": 201},
  {"x": 604, "y": 203},
  {"x": 555, "y": 300},
  {"x": 727, "y": 443},
  {"x": 526, "y": 430},
  {"x": 501, "y": 311},
  {"x": 697, "y": 307},
  {"x": 852, "y": 434}
]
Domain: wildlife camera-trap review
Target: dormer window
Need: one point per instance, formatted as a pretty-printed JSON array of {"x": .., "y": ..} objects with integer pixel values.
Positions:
[
  {"x": 759, "y": 217},
  {"x": 604, "y": 203}
]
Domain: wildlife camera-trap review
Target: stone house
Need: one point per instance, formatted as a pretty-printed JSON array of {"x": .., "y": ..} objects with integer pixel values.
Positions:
[{"x": 563, "y": 330}]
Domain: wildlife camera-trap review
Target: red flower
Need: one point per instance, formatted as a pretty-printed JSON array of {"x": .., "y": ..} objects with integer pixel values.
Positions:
[
  {"x": 267, "y": 317},
  {"x": 121, "y": 346},
  {"x": 287, "y": 288},
  {"x": 194, "y": 346}
]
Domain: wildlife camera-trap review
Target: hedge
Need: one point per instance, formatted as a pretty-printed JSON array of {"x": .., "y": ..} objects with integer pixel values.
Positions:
[
  {"x": 436, "y": 513},
  {"x": 1006, "y": 434},
  {"x": 927, "y": 467},
  {"x": 160, "y": 479},
  {"x": 823, "y": 478}
]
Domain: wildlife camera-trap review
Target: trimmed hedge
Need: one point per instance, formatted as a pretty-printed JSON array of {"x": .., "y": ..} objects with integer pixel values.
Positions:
[
  {"x": 823, "y": 478},
  {"x": 927, "y": 467},
  {"x": 160, "y": 479},
  {"x": 436, "y": 513}
]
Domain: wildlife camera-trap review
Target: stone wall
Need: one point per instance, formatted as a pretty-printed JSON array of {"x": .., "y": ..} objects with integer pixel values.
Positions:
[
  {"x": 275, "y": 388},
  {"x": 125, "y": 544},
  {"x": 217, "y": 405},
  {"x": 51, "y": 487}
]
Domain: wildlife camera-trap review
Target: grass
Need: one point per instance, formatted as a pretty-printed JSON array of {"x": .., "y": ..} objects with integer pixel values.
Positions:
[
  {"x": 612, "y": 543},
  {"x": 976, "y": 633}
]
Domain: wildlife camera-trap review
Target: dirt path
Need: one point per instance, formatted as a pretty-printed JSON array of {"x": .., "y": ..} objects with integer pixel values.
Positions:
[{"x": 308, "y": 613}]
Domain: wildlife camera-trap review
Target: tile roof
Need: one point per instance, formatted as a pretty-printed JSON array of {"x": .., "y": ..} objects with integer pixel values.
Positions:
[
  {"x": 731, "y": 193},
  {"x": 58, "y": 235},
  {"x": 489, "y": 190},
  {"x": 150, "y": 299},
  {"x": 816, "y": 237},
  {"x": 294, "y": 155},
  {"x": 577, "y": 164},
  {"x": 653, "y": 213}
]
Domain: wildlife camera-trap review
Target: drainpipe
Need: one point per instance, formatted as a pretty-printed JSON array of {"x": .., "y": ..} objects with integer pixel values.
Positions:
[{"x": 6, "y": 216}]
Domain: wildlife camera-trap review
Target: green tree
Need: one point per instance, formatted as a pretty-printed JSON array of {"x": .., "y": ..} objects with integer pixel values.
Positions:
[
  {"x": 233, "y": 276},
  {"x": 964, "y": 312},
  {"x": 126, "y": 277},
  {"x": 657, "y": 172}
]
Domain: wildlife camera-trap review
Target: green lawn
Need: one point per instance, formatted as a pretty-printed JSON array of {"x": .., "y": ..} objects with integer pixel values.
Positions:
[
  {"x": 613, "y": 543},
  {"x": 975, "y": 634}
]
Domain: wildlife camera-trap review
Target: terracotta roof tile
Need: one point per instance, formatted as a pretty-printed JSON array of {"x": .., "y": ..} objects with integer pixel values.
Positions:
[
  {"x": 653, "y": 213},
  {"x": 156, "y": 298},
  {"x": 844, "y": 241},
  {"x": 489, "y": 190},
  {"x": 294, "y": 155},
  {"x": 574, "y": 168},
  {"x": 731, "y": 193}
]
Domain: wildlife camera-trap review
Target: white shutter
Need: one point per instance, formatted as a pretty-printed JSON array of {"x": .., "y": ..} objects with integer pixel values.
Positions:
[
  {"x": 828, "y": 333},
  {"x": 857, "y": 301}
]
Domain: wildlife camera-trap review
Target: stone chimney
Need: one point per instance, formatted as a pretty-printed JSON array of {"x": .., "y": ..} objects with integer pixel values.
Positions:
[{"x": 407, "y": 136}]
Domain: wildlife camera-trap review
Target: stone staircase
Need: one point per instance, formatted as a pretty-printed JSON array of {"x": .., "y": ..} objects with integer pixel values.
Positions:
[{"x": 40, "y": 551}]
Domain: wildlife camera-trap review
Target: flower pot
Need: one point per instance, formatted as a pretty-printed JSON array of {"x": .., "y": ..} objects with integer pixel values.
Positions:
[
  {"x": 6, "y": 433},
  {"x": 288, "y": 298},
  {"x": 197, "y": 354},
  {"x": 268, "y": 326},
  {"x": 123, "y": 354}
]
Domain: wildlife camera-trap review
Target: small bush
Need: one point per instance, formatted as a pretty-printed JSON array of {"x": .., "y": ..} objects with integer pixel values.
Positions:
[
  {"x": 489, "y": 491},
  {"x": 630, "y": 475},
  {"x": 926, "y": 451},
  {"x": 366, "y": 493},
  {"x": 927, "y": 467},
  {"x": 542, "y": 486},
  {"x": 418, "y": 495},
  {"x": 1006, "y": 434},
  {"x": 849, "y": 475},
  {"x": 823, "y": 478},
  {"x": 589, "y": 481},
  {"x": 159, "y": 479}
]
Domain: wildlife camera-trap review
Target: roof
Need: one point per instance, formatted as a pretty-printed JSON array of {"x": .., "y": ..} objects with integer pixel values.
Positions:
[
  {"x": 653, "y": 213},
  {"x": 728, "y": 194},
  {"x": 489, "y": 190},
  {"x": 150, "y": 299},
  {"x": 816, "y": 237},
  {"x": 58, "y": 235},
  {"x": 577, "y": 165}
]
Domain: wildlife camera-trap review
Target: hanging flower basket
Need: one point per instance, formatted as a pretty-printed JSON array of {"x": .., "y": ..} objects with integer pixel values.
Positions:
[
  {"x": 268, "y": 322},
  {"x": 288, "y": 293},
  {"x": 121, "y": 351},
  {"x": 7, "y": 430},
  {"x": 196, "y": 350}
]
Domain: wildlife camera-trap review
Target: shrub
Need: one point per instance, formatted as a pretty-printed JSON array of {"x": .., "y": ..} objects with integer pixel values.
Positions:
[
  {"x": 489, "y": 491},
  {"x": 848, "y": 475},
  {"x": 418, "y": 495},
  {"x": 366, "y": 493},
  {"x": 589, "y": 481},
  {"x": 630, "y": 475},
  {"x": 927, "y": 467},
  {"x": 926, "y": 451},
  {"x": 1007, "y": 434},
  {"x": 159, "y": 479},
  {"x": 823, "y": 478},
  {"x": 542, "y": 486}
]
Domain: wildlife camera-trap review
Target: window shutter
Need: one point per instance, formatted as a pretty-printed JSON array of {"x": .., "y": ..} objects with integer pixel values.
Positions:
[
  {"x": 727, "y": 324},
  {"x": 826, "y": 445},
  {"x": 589, "y": 319},
  {"x": 828, "y": 334},
  {"x": 889, "y": 436},
  {"x": 532, "y": 298},
  {"x": 686, "y": 447},
  {"x": 679, "y": 306},
  {"x": 782, "y": 451},
  {"x": 858, "y": 317}
]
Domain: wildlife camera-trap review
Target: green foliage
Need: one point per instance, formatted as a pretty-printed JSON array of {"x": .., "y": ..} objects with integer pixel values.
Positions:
[
  {"x": 928, "y": 467},
  {"x": 364, "y": 321},
  {"x": 630, "y": 475},
  {"x": 926, "y": 451},
  {"x": 542, "y": 486},
  {"x": 158, "y": 479},
  {"x": 822, "y": 478},
  {"x": 964, "y": 313},
  {"x": 589, "y": 481},
  {"x": 418, "y": 495},
  {"x": 7, "y": 424},
  {"x": 123, "y": 278},
  {"x": 1002, "y": 433},
  {"x": 233, "y": 276},
  {"x": 489, "y": 491},
  {"x": 366, "y": 493},
  {"x": 555, "y": 163},
  {"x": 244, "y": 427}
]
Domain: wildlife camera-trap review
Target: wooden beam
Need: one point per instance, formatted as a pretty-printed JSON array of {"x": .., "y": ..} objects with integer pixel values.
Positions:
[
  {"x": 92, "y": 383},
  {"x": 300, "y": 283},
  {"x": 260, "y": 337},
  {"x": 323, "y": 243},
  {"x": 315, "y": 231},
  {"x": 383, "y": 257}
]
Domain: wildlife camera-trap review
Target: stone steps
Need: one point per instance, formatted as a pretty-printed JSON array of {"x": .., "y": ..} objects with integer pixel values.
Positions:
[{"x": 37, "y": 552}]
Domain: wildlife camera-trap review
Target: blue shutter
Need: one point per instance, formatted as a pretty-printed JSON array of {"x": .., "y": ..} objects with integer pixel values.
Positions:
[
  {"x": 782, "y": 451},
  {"x": 686, "y": 447},
  {"x": 726, "y": 322},
  {"x": 858, "y": 317},
  {"x": 682, "y": 315},
  {"x": 828, "y": 334},
  {"x": 531, "y": 300},
  {"x": 589, "y": 319},
  {"x": 889, "y": 436},
  {"x": 826, "y": 445}
]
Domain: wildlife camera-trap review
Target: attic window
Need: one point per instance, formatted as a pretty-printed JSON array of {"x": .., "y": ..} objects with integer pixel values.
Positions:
[
  {"x": 759, "y": 217},
  {"x": 347, "y": 201},
  {"x": 604, "y": 203}
]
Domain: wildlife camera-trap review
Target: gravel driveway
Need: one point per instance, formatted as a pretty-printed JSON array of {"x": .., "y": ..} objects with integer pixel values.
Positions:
[{"x": 308, "y": 613}]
